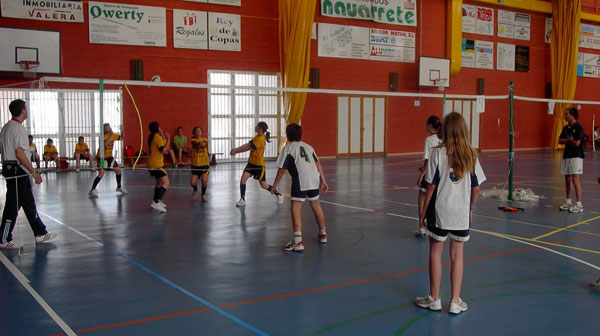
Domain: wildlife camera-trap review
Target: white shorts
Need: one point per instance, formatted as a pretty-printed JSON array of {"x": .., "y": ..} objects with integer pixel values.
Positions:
[{"x": 573, "y": 166}]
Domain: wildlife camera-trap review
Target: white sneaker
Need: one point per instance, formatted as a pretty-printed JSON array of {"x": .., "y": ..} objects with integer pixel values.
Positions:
[
  {"x": 322, "y": 238},
  {"x": 77, "y": 170},
  {"x": 457, "y": 307},
  {"x": 162, "y": 203},
  {"x": 280, "y": 199},
  {"x": 121, "y": 190},
  {"x": 93, "y": 194},
  {"x": 576, "y": 208},
  {"x": 195, "y": 194},
  {"x": 158, "y": 206},
  {"x": 240, "y": 203},
  {"x": 204, "y": 198},
  {"x": 45, "y": 238},
  {"x": 429, "y": 303},
  {"x": 566, "y": 206},
  {"x": 293, "y": 247},
  {"x": 11, "y": 245}
]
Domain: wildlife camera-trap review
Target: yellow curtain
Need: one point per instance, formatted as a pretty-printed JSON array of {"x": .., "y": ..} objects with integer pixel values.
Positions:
[
  {"x": 296, "y": 18},
  {"x": 566, "y": 15}
]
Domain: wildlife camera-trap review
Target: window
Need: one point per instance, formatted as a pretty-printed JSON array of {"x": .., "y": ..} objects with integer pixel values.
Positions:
[
  {"x": 234, "y": 111},
  {"x": 64, "y": 115}
]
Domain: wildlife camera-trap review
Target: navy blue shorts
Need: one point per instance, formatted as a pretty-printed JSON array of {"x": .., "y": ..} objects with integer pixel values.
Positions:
[
  {"x": 441, "y": 234},
  {"x": 157, "y": 173},
  {"x": 423, "y": 185},
  {"x": 302, "y": 195},
  {"x": 258, "y": 172},
  {"x": 200, "y": 170}
]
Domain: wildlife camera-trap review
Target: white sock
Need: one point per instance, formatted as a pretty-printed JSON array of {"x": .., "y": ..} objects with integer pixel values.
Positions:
[
  {"x": 323, "y": 231},
  {"x": 579, "y": 204},
  {"x": 297, "y": 237},
  {"x": 568, "y": 201}
]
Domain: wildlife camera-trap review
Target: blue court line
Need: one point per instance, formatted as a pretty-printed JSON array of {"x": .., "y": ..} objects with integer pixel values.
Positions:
[{"x": 161, "y": 278}]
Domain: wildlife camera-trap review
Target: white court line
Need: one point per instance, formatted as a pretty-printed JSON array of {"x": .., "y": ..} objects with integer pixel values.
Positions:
[
  {"x": 25, "y": 282},
  {"x": 488, "y": 233},
  {"x": 541, "y": 247}
]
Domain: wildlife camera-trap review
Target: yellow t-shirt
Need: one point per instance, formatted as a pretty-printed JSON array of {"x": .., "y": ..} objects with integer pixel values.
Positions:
[
  {"x": 257, "y": 150},
  {"x": 108, "y": 148},
  {"x": 199, "y": 155},
  {"x": 155, "y": 158},
  {"x": 49, "y": 149},
  {"x": 81, "y": 148}
]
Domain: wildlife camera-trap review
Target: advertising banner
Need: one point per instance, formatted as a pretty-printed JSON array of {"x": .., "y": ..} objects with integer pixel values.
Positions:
[{"x": 111, "y": 23}]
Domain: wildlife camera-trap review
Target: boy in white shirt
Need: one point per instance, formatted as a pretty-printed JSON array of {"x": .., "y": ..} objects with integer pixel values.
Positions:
[{"x": 300, "y": 160}]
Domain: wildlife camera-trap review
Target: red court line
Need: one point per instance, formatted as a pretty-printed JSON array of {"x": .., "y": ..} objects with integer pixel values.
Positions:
[{"x": 279, "y": 296}]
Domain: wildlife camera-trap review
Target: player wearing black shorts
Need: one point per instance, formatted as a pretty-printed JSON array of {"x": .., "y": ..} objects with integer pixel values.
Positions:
[
  {"x": 158, "y": 142},
  {"x": 109, "y": 162},
  {"x": 301, "y": 161},
  {"x": 434, "y": 127},
  {"x": 200, "y": 163},
  {"x": 256, "y": 162}
]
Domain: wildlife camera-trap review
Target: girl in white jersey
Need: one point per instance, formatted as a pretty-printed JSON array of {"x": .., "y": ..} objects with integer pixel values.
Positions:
[
  {"x": 434, "y": 127},
  {"x": 454, "y": 175},
  {"x": 308, "y": 179}
]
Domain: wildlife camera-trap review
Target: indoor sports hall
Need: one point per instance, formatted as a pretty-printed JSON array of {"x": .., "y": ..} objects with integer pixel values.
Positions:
[{"x": 190, "y": 109}]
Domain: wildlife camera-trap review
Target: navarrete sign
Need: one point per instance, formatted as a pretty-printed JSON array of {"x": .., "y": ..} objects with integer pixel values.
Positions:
[{"x": 398, "y": 12}]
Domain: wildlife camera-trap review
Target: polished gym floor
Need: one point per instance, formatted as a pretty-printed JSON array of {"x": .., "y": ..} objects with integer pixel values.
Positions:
[{"x": 118, "y": 267}]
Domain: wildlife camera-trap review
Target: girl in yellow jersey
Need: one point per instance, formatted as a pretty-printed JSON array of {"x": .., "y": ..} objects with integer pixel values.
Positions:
[
  {"x": 158, "y": 143},
  {"x": 256, "y": 162},
  {"x": 109, "y": 161},
  {"x": 200, "y": 162},
  {"x": 50, "y": 153}
]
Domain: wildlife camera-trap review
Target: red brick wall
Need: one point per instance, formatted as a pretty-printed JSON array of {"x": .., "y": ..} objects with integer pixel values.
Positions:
[{"x": 405, "y": 122}]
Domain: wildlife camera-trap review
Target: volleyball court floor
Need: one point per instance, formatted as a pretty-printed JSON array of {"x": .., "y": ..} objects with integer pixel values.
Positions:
[{"x": 120, "y": 268}]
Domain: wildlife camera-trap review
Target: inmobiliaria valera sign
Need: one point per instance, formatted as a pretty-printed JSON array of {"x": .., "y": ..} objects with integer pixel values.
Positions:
[{"x": 44, "y": 10}]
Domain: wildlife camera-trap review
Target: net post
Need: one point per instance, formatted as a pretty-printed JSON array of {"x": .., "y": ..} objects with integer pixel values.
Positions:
[
  {"x": 511, "y": 149},
  {"x": 101, "y": 96},
  {"x": 593, "y": 131}
]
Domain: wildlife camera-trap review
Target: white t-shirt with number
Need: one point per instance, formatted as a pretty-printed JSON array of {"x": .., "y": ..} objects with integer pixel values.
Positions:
[
  {"x": 299, "y": 159},
  {"x": 452, "y": 198}
]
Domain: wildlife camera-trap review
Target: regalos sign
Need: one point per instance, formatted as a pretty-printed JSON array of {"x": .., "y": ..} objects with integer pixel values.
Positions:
[
  {"x": 190, "y": 29},
  {"x": 399, "y": 12},
  {"x": 43, "y": 10},
  {"x": 127, "y": 24}
]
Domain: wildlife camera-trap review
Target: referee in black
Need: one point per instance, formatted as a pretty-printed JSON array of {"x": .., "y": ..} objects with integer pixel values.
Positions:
[{"x": 15, "y": 168}]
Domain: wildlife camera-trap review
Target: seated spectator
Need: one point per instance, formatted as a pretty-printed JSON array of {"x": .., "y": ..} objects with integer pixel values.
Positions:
[
  {"x": 82, "y": 151},
  {"x": 50, "y": 153}
]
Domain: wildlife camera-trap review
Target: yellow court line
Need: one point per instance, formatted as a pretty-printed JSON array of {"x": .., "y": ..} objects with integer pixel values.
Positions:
[
  {"x": 565, "y": 228},
  {"x": 557, "y": 188},
  {"x": 541, "y": 242}
]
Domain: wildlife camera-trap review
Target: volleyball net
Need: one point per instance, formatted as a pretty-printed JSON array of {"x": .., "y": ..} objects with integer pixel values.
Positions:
[{"x": 356, "y": 121}]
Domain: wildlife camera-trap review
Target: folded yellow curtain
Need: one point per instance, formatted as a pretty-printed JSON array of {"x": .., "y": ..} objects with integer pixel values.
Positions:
[
  {"x": 296, "y": 18},
  {"x": 566, "y": 15}
]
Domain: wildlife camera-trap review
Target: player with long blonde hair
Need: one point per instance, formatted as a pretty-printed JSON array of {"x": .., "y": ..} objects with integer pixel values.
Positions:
[{"x": 454, "y": 176}]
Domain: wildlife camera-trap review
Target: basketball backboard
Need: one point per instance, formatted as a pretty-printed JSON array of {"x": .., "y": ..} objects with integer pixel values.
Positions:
[
  {"x": 432, "y": 69},
  {"x": 29, "y": 45}
]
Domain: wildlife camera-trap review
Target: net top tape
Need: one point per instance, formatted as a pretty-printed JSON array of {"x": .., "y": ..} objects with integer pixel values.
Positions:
[{"x": 322, "y": 91}]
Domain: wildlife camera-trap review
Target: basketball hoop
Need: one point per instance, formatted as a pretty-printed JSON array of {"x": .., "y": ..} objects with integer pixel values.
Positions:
[
  {"x": 29, "y": 68},
  {"x": 440, "y": 83}
]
